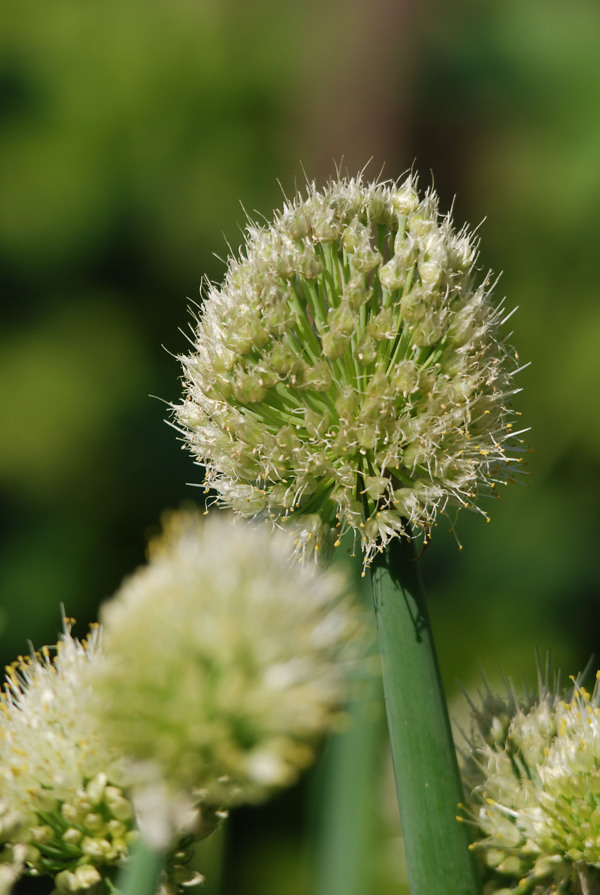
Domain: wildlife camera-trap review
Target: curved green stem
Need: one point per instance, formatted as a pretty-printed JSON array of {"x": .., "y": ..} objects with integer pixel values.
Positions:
[{"x": 427, "y": 779}]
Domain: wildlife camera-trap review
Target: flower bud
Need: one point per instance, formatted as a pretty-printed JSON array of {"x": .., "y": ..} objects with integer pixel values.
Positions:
[
  {"x": 405, "y": 377},
  {"x": 334, "y": 343},
  {"x": 366, "y": 351},
  {"x": 310, "y": 266},
  {"x": 342, "y": 320},
  {"x": 356, "y": 292},
  {"x": 248, "y": 388},
  {"x": 365, "y": 259},
  {"x": 296, "y": 223},
  {"x": 393, "y": 274}
]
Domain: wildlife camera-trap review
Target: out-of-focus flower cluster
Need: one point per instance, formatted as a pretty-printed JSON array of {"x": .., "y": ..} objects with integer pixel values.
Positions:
[
  {"x": 350, "y": 372},
  {"x": 229, "y": 663},
  {"x": 533, "y": 774},
  {"x": 221, "y": 667}
]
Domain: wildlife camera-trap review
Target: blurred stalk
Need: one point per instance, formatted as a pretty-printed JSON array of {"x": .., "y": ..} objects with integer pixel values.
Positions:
[
  {"x": 427, "y": 778},
  {"x": 346, "y": 799}
]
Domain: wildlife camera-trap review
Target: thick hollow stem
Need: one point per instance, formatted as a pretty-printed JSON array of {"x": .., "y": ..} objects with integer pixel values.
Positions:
[{"x": 427, "y": 778}]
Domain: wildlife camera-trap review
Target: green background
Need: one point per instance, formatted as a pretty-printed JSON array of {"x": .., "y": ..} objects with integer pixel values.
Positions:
[{"x": 134, "y": 137}]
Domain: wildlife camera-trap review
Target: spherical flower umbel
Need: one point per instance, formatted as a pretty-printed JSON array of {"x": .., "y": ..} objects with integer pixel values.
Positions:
[
  {"x": 61, "y": 812},
  {"x": 533, "y": 771},
  {"x": 224, "y": 663},
  {"x": 350, "y": 372}
]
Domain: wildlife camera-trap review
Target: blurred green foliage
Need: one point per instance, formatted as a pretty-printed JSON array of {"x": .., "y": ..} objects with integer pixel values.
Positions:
[
  {"x": 130, "y": 132},
  {"x": 513, "y": 87}
]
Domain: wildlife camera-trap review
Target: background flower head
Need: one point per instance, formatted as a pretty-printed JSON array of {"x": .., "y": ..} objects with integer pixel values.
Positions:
[
  {"x": 350, "y": 372},
  {"x": 533, "y": 774},
  {"x": 224, "y": 663}
]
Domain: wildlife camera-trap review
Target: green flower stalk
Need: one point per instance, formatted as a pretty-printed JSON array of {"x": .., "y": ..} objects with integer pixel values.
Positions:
[
  {"x": 224, "y": 665},
  {"x": 350, "y": 373},
  {"x": 61, "y": 812},
  {"x": 533, "y": 771}
]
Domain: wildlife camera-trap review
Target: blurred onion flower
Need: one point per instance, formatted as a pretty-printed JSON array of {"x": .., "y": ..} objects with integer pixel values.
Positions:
[
  {"x": 60, "y": 812},
  {"x": 350, "y": 373},
  {"x": 224, "y": 663},
  {"x": 533, "y": 770}
]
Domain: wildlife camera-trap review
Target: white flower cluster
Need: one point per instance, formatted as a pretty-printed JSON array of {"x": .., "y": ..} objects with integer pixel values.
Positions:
[
  {"x": 220, "y": 668},
  {"x": 350, "y": 372},
  {"x": 533, "y": 771}
]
